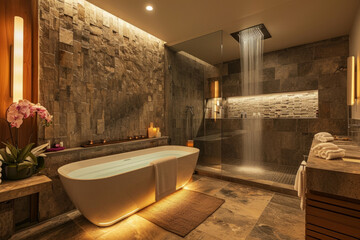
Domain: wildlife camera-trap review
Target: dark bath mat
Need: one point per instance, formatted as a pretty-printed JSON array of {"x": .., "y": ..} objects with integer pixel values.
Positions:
[{"x": 182, "y": 211}]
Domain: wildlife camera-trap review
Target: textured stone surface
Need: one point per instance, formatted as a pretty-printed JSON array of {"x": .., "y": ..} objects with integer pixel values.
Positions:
[
  {"x": 281, "y": 105},
  {"x": 96, "y": 74},
  {"x": 6, "y": 219}
]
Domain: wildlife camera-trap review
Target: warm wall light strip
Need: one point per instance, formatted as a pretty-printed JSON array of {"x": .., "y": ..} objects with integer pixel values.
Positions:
[
  {"x": 216, "y": 94},
  {"x": 18, "y": 59},
  {"x": 357, "y": 96},
  {"x": 350, "y": 80}
]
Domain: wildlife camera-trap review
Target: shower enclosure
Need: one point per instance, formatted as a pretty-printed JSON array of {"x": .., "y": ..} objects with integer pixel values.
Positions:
[{"x": 247, "y": 127}]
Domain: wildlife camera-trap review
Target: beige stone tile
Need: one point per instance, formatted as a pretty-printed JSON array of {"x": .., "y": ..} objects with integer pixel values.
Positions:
[
  {"x": 69, "y": 230},
  {"x": 228, "y": 224},
  {"x": 199, "y": 235},
  {"x": 136, "y": 227},
  {"x": 244, "y": 200},
  {"x": 206, "y": 185},
  {"x": 282, "y": 219},
  {"x": 91, "y": 228}
]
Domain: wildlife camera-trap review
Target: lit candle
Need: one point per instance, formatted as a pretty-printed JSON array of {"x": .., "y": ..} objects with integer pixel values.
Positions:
[
  {"x": 190, "y": 143},
  {"x": 158, "y": 133},
  {"x": 152, "y": 131}
]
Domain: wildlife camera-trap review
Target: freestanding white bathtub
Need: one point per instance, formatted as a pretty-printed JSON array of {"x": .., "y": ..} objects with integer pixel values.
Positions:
[{"x": 108, "y": 189}]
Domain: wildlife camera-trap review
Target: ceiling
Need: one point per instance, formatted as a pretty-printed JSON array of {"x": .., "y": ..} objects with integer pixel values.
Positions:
[{"x": 290, "y": 22}]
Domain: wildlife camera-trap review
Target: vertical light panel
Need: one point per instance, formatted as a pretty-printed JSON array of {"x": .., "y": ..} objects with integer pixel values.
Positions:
[
  {"x": 350, "y": 80},
  {"x": 216, "y": 89},
  {"x": 18, "y": 59},
  {"x": 357, "y": 80}
]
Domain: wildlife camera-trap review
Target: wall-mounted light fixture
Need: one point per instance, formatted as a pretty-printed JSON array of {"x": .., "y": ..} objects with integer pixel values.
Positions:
[
  {"x": 357, "y": 80},
  {"x": 215, "y": 89},
  {"x": 350, "y": 80},
  {"x": 18, "y": 60}
]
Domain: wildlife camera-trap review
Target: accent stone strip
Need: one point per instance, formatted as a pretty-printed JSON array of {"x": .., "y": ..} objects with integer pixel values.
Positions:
[{"x": 280, "y": 105}]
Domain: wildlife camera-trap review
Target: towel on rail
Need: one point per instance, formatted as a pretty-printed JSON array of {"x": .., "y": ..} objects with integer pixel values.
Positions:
[{"x": 300, "y": 184}]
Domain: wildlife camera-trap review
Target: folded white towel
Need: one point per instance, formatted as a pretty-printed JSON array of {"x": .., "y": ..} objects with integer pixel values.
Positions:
[
  {"x": 165, "y": 176},
  {"x": 300, "y": 184},
  {"x": 323, "y": 134},
  {"x": 333, "y": 154},
  {"x": 324, "y": 139},
  {"x": 323, "y": 151},
  {"x": 318, "y": 147}
]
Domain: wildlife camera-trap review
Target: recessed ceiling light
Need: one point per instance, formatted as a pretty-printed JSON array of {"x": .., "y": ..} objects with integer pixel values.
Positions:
[{"x": 149, "y": 8}]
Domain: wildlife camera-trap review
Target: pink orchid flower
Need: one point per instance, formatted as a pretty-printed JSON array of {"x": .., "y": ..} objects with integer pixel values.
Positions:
[{"x": 17, "y": 112}]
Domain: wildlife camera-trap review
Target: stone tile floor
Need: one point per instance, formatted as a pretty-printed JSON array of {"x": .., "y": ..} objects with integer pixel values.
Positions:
[{"x": 248, "y": 213}]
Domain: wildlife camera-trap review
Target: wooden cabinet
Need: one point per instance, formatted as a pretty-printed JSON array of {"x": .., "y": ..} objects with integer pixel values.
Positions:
[{"x": 329, "y": 217}]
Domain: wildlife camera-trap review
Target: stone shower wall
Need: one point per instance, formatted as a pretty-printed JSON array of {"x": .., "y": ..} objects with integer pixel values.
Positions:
[
  {"x": 184, "y": 82},
  {"x": 100, "y": 77},
  {"x": 307, "y": 67}
]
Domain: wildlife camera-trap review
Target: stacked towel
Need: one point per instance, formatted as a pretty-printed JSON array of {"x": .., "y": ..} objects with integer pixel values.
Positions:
[
  {"x": 300, "y": 184},
  {"x": 328, "y": 151},
  {"x": 324, "y": 137},
  {"x": 316, "y": 149}
]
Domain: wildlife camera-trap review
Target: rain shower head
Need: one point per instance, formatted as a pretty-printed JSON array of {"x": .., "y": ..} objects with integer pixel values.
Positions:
[{"x": 262, "y": 27}]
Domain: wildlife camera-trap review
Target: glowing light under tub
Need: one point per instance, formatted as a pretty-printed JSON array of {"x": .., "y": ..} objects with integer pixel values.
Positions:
[
  {"x": 118, "y": 219},
  {"x": 133, "y": 211}
]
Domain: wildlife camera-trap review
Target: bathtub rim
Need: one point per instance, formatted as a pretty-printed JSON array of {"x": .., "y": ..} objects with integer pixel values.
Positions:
[{"x": 61, "y": 170}]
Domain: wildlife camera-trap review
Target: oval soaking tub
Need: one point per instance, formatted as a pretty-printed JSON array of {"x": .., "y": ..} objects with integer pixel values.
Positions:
[{"x": 108, "y": 189}]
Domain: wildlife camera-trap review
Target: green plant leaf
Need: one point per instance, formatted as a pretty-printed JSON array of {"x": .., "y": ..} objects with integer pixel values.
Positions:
[
  {"x": 32, "y": 158},
  {"x": 8, "y": 159},
  {"x": 39, "y": 149},
  {"x": 4, "y": 156},
  {"x": 24, "y": 152},
  {"x": 14, "y": 151},
  {"x": 41, "y": 164},
  {"x": 23, "y": 165}
]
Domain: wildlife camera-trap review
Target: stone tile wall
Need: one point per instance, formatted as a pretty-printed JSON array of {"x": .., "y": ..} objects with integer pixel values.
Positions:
[
  {"x": 99, "y": 76},
  {"x": 308, "y": 67},
  {"x": 184, "y": 81}
]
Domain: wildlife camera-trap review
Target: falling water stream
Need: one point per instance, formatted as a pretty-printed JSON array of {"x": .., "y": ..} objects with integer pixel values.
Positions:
[{"x": 251, "y": 42}]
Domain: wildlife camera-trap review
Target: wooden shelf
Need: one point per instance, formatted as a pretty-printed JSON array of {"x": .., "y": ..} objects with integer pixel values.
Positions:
[{"x": 19, "y": 188}]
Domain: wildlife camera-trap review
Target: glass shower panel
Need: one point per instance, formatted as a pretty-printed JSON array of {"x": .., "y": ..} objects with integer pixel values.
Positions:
[{"x": 207, "y": 50}]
